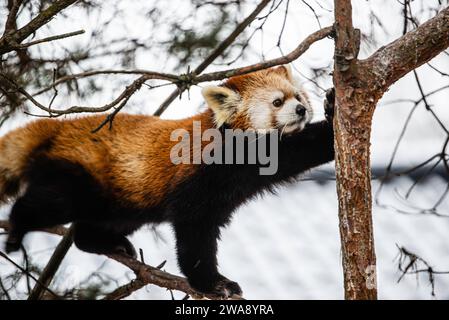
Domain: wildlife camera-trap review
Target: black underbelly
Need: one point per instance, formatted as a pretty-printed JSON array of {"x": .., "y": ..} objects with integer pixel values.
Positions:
[{"x": 62, "y": 184}]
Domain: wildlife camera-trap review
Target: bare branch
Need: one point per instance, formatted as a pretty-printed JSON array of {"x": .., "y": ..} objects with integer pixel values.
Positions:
[
  {"x": 293, "y": 55},
  {"x": 52, "y": 266},
  {"x": 48, "y": 39},
  {"x": 10, "y": 40},
  {"x": 5, "y": 291},
  {"x": 214, "y": 54},
  {"x": 5, "y": 256},
  {"x": 145, "y": 273},
  {"x": 392, "y": 62},
  {"x": 129, "y": 90},
  {"x": 183, "y": 80},
  {"x": 125, "y": 290},
  {"x": 11, "y": 24},
  {"x": 409, "y": 263},
  {"x": 86, "y": 74},
  {"x": 358, "y": 85},
  {"x": 152, "y": 275}
]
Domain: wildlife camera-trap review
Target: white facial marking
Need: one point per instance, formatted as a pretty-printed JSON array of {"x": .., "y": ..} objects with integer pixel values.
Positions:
[
  {"x": 260, "y": 108},
  {"x": 259, "y": 115},
  {"x": 264, "y": 115},
  {"x": 288, "y": 119}
]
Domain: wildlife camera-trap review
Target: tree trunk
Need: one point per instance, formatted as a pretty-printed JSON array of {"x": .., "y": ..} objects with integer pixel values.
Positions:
[
  {"x": 359, "y": 84},
  {"x": 352, "y": 126}
]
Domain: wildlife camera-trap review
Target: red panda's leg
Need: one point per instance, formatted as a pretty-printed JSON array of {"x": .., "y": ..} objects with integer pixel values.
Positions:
[
  {"x": 196, "y": 244},
  {"x": 93, "y": 238},
  {"x": 33, "y": 212}
]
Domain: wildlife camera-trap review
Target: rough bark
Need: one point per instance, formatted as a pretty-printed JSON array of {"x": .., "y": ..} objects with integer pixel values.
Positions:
[
  {"x": 352, "y": 126},
  {"x": 359, "y": 84}
]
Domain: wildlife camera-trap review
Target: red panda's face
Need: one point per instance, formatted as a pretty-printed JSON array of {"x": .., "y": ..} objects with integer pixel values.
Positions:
[{"x": 263, "y": 100}]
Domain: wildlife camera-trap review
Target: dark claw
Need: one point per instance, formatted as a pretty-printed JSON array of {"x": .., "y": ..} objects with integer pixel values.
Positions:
[
  {"x": 222, "y": 287},
  {"x": 227, "y": 288},
  {"x": 13, "y": 243},
  {"x": 12, "y": 247},
  {"x": 126, "y": 249}
]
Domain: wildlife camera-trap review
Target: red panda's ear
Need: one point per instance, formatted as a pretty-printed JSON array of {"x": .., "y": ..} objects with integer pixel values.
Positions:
[
  {"x": 286, "y": 71},
  {"x": 222, "y": 101}
]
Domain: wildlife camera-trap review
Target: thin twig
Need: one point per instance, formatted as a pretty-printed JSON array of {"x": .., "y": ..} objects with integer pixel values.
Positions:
[
  {"x": 5, "y": 256},
  {"x": 48, "y": 39},
  {"x": 10, "y": 40},
  {"x": 183, "y": 80},
  {"x": 86, "y": 74},
  {"x": 146, "y": 273},
  {"x": 5, "y": 292},
  {"x": 214, "y": 54},
  {"x": 293, "y": 55},
  {"x": 11, "y": 23},
  {"x": 125, "y": 290},
  {"x": 408, "y": 263}
]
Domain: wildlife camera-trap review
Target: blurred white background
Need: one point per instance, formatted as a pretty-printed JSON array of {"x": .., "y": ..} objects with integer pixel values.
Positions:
[{"x": 283, "y": 246}]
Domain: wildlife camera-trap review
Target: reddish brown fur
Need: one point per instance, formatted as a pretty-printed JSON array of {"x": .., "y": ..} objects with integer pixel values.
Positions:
[
  {"x": 110, "y": 183},
  {"x": 246, "y": 85},
  {"x": 132, "y": 159}
]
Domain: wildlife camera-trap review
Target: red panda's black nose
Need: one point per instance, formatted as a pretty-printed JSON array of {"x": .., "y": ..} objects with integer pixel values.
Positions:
[{"x": 300, "y": 110}]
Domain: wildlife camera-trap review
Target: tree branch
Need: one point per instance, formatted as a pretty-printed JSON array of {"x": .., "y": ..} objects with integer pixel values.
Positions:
[
  {"x": 10, "y": 40},
  {"x": 392, "y": 62},
  {"x": 409, "y": 263},
  {"x": 183, "y": 80},
  {"x": 48, "y": 39},
  {"x": 359, "y": 84},
  {"x": 129, "y": 90},
  {"x": 52, "y": 266},
  {"x": 91, "y": 73},
  {"x": 144, "y": 273},
  {"x": 125, "y": 290},
  {"x": 293, "y": 55},
  {"x": 11, "y": 24},
  {"x": 5, "y": 256},
  {"x": 214, "y": 54}
]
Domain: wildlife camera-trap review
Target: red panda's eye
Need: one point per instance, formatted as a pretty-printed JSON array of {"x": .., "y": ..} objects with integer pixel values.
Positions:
[
  {"x": 277, "y": 103},
  {"x": 298, "y": 97}
]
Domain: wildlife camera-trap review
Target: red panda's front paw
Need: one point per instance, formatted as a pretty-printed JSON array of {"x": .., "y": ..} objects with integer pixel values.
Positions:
[
  {"x": 329, "y": 103},
  {"x": 126, "y": 251},
  {"x": 14, "y": 241},
  {"x": 227, "y": 288},
  {"x": 125, "y": 247},
  {"x": 218, "y": 285}
]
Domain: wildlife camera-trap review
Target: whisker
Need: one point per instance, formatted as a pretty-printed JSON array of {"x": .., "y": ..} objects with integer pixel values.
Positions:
[
  {"x": 258, "y": 136},
  {"x": 282, "y": 131}
]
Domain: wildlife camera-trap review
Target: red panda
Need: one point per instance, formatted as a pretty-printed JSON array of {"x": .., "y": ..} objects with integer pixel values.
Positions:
[{"x": 110, "y": 183}]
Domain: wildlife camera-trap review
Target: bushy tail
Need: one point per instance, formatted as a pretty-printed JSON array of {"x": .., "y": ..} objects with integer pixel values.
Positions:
[
  {"x": 10, "y": 172},
  {"x": 16, "y": 148},
  {"x": 9, "y": 185}
]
